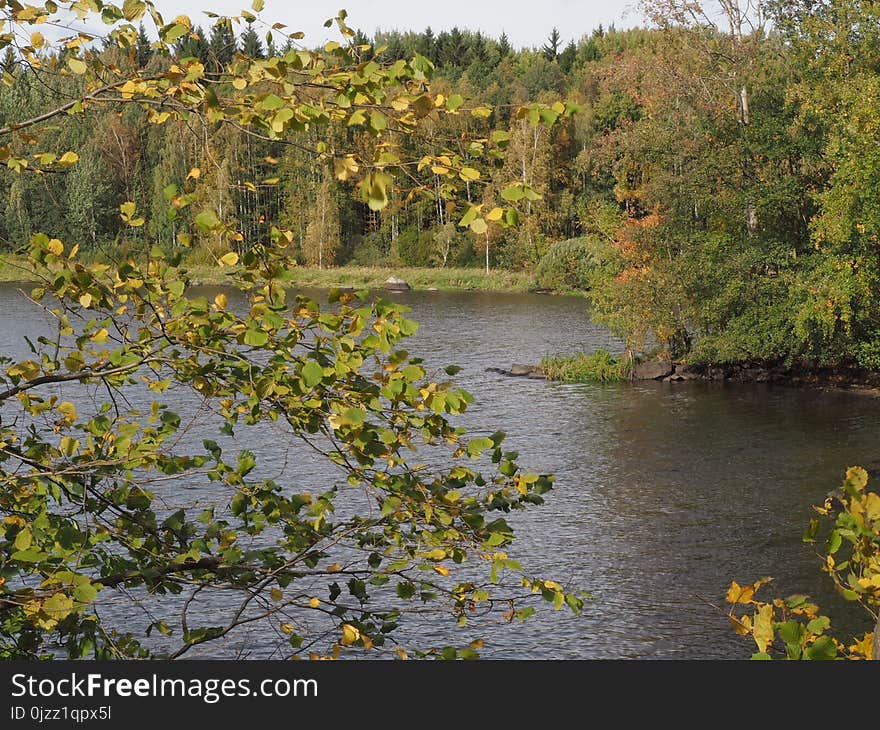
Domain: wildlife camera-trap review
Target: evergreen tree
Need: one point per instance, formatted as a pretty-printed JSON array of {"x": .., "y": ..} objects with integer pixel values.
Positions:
[
  {"x": 551, "y": 48},
  {"x": 567, "y": 58},
  {"x": 426, "y": 45},
  {"x": 251, "y": 45},
  {"x": 504, "y": 48},
  {"x": 221, "y": 47},
  {"x": 143, "y": 51}
]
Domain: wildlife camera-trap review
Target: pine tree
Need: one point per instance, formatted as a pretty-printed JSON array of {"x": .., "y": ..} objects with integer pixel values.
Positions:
[
  {"x": 567, "y": 57},
  {"x": 251, "y": 45},
  {"x": 143, "y": 50},
  {"x": 221, "y": 47},
  {"x": 551, "y": 47},
  {"x": 504, "y": 48}
]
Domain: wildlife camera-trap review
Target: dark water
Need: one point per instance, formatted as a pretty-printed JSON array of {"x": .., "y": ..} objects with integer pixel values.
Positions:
[{"x": 665, "y": 492}]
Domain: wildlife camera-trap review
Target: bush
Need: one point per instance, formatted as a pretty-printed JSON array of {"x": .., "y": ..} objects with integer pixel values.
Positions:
[
  {"x": 599, "y": 366},
  {"x": 372, "y": 251},
  {"x": 413, "y": 247},
  {"x": 571, "y": 265}
]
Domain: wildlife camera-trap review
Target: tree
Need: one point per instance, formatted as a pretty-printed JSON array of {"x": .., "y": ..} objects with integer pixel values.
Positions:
[
  {"x": 143, "y": 50},
  {"x": 84, "y": 483},
  {"x": 551, "y": 48},
  {"x": 504, "y": 48},
  {"x": 322, "y": 234},
  {"x": 251, "y": 45}
]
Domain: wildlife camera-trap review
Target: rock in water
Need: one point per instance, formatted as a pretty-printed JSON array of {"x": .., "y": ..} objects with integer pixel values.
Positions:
[
  {"x": 395, "y": 284},
  {"x": 653, "y": 370},
  {"x": 517, "y": 369}
]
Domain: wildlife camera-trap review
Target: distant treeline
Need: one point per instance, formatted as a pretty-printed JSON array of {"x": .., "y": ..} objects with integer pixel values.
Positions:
[{"x": 254, "y": 183}]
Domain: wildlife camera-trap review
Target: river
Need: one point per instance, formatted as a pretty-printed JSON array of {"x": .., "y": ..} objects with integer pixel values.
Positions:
[{"x": 665, "y": 492}]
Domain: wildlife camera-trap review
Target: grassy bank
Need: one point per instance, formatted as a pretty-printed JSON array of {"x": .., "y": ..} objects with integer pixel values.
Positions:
[
  {"x": 14, "y": 269},
  {"x": 375, "y": 278}
]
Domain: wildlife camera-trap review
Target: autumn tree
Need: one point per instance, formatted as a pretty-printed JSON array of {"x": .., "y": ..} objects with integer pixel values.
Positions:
[{"x": 103, "y": 491}]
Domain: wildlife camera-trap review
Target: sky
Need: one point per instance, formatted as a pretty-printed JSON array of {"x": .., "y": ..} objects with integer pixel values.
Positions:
[{"x": 526, "y": 23}]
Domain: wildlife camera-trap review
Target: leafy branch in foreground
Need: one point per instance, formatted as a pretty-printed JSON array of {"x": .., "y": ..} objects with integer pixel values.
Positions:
[
  {"x": 116, "y": 506},
  {"x": 794, "y": 628}
]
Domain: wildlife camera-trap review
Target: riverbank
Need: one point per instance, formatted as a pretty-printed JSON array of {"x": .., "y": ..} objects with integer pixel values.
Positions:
[
  {"x": 14, "y": 269},
  {"x": 362, "y": 277},
  {"x": 600, "y": 366}
]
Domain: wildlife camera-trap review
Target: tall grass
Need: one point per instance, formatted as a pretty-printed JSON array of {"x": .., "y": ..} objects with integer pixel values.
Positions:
[{"x": 599, "y": 366}]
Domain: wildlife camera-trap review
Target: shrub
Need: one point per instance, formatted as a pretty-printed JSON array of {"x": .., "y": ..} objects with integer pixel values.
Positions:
[{"x": 571, "y": 265}]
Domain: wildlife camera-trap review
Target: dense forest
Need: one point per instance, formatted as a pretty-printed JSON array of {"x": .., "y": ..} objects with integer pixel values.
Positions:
[{"x": 715, "y": 195}]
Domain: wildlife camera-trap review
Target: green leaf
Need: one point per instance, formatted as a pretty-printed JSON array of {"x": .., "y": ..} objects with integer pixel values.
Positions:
[
  {"x": 513, "y": 193},
  {"x": 256, "y": 338},
  {"x": 454, "y": 102},
  {"x": 272, "y": 101},
  {"x": 476, "y": 446},
  {"x": 469, "y": 216},
  {"x": 207, "y": 220},
  {"x": 822, "y": 649},
  {"x": 378, "y": 121},
  {"x": 312, "y": 373}
]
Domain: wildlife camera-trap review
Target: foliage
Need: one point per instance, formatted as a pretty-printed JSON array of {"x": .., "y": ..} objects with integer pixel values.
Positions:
[
  {"x": 577, "y": 264},
  {"x": 794, "y": 627},
  {"x": 104, "y": 497},
  {"x": 598, "y": 366}
]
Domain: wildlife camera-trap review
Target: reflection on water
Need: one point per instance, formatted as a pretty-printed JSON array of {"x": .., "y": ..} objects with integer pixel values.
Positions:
[{"x": 665, "y": 492}]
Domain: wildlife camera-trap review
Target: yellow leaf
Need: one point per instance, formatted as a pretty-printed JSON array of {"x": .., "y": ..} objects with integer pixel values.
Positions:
[
  {"x": 763, "y": 630},
  {"x": 494, "y": 214},
  {"x": 288, "y": 628},
  {"x": 401, "y": 653},
  {"x": 276, "y": 594},
  {"x": 194, "y": 174},
  {"x": 742, "y": 626},
  {"x": 220, "y": 301},
  {"x": 479, "y": 226},
  {"x": 441, "y": 569},
  {"x": 37, "y": 40},
  {"x": 335, "y": 568},
  {"x": 55, "y": 247},
  {"x": 314, "y": 602},
  {"x": 100, "y": 336},
  {"x": 239, "y": 83},
  {"x": 77, "y": 65},
  {"x": 127, "y": 89},
  {"x": 229, "y": 259},
  {"x": 68, "y": 410},
  {"x": 436, "y": 554},
  {"x": 350, "y": 634},
  {"x": 740, "y": 594},
  {"x": 68, "y": 159}
]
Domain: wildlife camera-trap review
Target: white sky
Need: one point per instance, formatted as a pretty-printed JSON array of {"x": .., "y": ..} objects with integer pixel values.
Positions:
[{"x": 526, "y": 23}]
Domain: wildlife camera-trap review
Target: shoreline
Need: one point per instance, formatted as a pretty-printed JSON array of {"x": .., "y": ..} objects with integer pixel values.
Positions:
[
  {"x": 847, "y": 380},
  {"x": 13, "y": 270}
]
